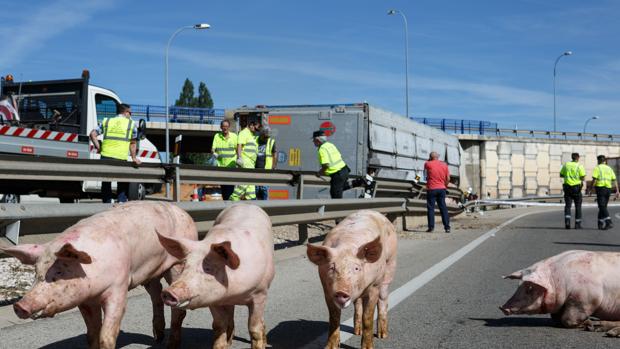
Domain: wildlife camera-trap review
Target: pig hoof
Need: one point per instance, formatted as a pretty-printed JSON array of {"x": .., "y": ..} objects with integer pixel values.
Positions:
[
  {"x": 614, "y": 332},
  {"x": 593, "y": 326},
  {"x": 357, "y": 331},
  {"x": 382, "y": 334},
  {"x": 158, "y": 336}
]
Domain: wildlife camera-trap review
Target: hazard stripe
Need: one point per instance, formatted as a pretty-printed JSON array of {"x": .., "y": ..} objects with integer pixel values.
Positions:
[
  {"x": 4, "y": 129},
  {"x": 18, "y": 131},
  {"x": 31, "y": 133},
  {"x": 72, "y": 137},
  {"x": 59, "y": 136},
  {"x": 153, "y": 155}
]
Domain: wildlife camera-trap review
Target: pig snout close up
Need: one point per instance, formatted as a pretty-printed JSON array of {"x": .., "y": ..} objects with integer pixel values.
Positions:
[
  {"x": 572, "y": 287},
  {"x": 356, "y": 265},
  {"x": 232, "y": 265},
  {"x": 92, "y": 265}
]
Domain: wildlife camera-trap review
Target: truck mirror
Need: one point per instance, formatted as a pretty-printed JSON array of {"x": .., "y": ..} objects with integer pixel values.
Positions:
[{"x": 141, "y": 129}]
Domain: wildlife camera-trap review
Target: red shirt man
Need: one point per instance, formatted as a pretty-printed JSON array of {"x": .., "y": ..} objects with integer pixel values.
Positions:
[{"x": 437, "y": 179}]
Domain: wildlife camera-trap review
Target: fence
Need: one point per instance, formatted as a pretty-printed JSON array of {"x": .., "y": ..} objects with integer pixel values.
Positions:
[{"x": 156, "y": 113}]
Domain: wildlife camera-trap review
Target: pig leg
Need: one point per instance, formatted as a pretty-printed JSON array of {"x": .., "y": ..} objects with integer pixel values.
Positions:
[
  {"x": 357, "y": 317},
  {"x": 256, "y": 322},
  {"x": 370, "y": 303},
  {"x": 91, "y": 312},
  {"x": 611, "y": 327},
  {"x": 153, "y": 287},
  {"x": 177, "y": 315},
  {"x": 575, "y": 315},
  {"x": 333, "y": 341},
  {"x": 113, "y": 309},
  {"x": 382, "y": 307},
  {"x": 223, "y": 325}
]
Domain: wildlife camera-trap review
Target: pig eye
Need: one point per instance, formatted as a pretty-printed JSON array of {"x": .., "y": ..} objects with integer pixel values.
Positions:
[
  {"x": 357, "y": 268},
  {"x": 332, "y": 267}
]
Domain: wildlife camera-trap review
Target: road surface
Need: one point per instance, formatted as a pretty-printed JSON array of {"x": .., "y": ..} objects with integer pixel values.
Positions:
[{"x": 445, "y": 295}]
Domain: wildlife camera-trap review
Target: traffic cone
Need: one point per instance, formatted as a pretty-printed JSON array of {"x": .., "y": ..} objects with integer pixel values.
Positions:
[{"x": 195, "y": 194}]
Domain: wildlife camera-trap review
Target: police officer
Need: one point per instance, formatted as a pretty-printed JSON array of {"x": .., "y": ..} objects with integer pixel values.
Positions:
[
  {"x": 332, "y": 165},
  {"x": 573, "y": 174},
  {"x": 264, "y": 159},
  {"x": 119, "y": 138},
  {"x": 603, "y": 176},
  {"x": 224, "y": 149},
  {"x": 246, "y": 158}
]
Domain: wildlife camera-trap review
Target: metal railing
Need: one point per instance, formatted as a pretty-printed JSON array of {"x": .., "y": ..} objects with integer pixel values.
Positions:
[
  {"x": 156, "y": 113},
  {"x": 488, "y": 128}
]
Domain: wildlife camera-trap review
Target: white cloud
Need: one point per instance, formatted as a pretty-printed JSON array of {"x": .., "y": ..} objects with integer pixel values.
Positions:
[{"x": 33, "y": 26}]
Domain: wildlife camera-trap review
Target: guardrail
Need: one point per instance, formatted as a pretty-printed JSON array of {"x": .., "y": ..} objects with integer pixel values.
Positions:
[
  {"x": 36, "y": 219},
  {"x": 18, "y": 167}
]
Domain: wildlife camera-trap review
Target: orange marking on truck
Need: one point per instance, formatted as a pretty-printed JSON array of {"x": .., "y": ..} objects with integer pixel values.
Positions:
[
  {"x": 278, "y": 194},
  {"x": 279, "y": 119}
]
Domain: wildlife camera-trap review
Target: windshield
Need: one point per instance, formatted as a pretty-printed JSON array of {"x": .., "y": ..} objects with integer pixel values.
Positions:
[{"x": 51, "y": 111}]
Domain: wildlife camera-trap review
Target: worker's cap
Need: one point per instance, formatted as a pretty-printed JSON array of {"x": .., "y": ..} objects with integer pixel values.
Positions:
[{"x": 318, "y": 133}]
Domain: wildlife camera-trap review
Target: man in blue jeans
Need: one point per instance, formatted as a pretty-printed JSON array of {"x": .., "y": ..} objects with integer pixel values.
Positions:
[{"x": 437, "y": 180}]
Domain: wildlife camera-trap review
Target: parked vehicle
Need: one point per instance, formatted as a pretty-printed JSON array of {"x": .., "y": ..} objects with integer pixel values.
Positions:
[
  {"x": 53, "y": 118},
  {"x": 371, "y": 140}
]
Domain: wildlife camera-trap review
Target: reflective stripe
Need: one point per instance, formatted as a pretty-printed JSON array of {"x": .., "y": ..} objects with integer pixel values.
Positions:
[
  {"x": 334, "y": 158},
  {"x": 269, "y": 153},
  {"x": 117, "y": 134},
  {"x": 226, "y": 155}
]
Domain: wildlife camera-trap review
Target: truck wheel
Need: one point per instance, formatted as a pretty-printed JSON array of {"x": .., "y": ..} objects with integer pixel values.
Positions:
[
  {"x": 9, "y": 198},
  {"x": 66, "y": 200},
  {"x": 137, "y": 191},
  {"x": 153, "y": 188}
]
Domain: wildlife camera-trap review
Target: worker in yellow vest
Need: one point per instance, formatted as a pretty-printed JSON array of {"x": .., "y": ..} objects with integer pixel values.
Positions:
[
  {"x": 119, "y": 139},
  {"x": 246, "y": 158},
  {"x": 265, "y": 158},
  {"x": 573, "y": 174},
  {"x": 332, "y": 165},
  {"x": 224, "y": 150},
  {"x": 603, "y": 176}
]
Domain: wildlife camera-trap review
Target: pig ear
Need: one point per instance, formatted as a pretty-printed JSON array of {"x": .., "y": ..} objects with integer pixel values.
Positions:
[
  {"x": 69, "y": 252},
  {"x": 224, "y": 249},
  {"x": 538, "y": 279},
  {"x": 176, "y": 247},
  {"x": 371, "y": 252},
  {"x": 318, "y": 254},
  {"x": 27, "y": 253},
  {"x": 517, "y": 275}
]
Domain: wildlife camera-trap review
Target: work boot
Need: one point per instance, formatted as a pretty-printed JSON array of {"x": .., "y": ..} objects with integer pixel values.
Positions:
[
  {"x": 577, "y": 225},
  {"x": 567, "y": 223},
  {"x": 609, "y": 225},
  {"x": 601, "y": 225}
]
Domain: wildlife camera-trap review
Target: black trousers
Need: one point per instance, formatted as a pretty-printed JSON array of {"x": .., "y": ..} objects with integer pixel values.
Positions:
[
  {"x": 572, "y": 193},
  {"x": 122, "y": 188},
  {"x": 602, "y": 198},
  {"x": 339, "y": 183},
  {"x": 227, "y": 191}
]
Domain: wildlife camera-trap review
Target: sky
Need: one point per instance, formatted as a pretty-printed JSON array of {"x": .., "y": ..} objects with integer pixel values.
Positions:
[{"x": 478, "y": 59}]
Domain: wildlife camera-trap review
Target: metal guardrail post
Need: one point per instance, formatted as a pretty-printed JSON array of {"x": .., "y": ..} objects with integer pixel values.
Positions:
[{"x": 303, "y": 227}]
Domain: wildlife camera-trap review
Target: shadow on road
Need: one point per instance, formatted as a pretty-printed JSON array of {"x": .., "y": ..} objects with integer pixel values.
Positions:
[
  {"x": 295, "y": 334},
  {"x": 585, "y": 243},
  {"x": 518, "y": 322},
  {"x": 544, "y": 228}
]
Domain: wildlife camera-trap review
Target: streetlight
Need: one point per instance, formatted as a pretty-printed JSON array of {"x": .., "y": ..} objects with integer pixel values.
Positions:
[
  {"x": 567, "y": 53},
  {"x": 167, "y": 140},
  {"x": 390, "y": 13},
  {"x": 586, "y": 124},
  {"x": 196, "y": 26}
]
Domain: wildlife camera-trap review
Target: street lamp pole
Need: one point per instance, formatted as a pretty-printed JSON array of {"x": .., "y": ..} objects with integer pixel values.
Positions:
[
  {"x": 586, "y": 124},
  {"x": 197, "y": 26},
  {"x": 393, "y": 12},
  {"x": 567, "y": 53}
]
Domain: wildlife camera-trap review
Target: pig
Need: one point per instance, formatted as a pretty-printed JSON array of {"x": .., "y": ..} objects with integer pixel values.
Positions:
[
  {"x": 356, "y": 264},
  {"x": 93, "y": 263},
  {"x": 571, "y": 286},
  {"x": 232, "y": 265}
]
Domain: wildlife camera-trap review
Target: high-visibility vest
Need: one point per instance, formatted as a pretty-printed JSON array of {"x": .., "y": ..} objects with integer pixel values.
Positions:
[
  {"x": 572, "y": 172},
  {"x": 269, "y": 153},
  {"x": 225, "y": 148},
  {"x": 117, "y": 135},
  {"x": 329, "y": 154},
  {"x": 249, "y": 148},
  {"x": 604, "y": 175}
]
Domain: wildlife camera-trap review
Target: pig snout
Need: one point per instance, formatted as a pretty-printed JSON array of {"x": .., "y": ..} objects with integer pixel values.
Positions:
[
  {"x": 171, "y": 298},
  {"x": 25, "y": 310},
  {"x": 342, "y": 299},
  {"x": 505, "y": 310}
]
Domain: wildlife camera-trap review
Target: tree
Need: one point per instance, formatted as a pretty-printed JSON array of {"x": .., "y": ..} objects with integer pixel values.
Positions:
[
  {"x": 204, "y": 99},
  {"x": 186, "y": 98}
]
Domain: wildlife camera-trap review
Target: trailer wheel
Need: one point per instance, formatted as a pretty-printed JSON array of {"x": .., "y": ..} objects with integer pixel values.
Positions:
[
  {"x": 137, "y": 191},
  {"x": 9, "y": 198}
]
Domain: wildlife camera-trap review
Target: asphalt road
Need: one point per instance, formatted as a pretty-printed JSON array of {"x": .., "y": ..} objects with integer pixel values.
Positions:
[{"x": 455, "y": 309}]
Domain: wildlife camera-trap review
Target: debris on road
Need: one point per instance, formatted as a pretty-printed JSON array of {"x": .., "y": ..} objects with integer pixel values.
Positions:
[{"x": 15, "y": 279}]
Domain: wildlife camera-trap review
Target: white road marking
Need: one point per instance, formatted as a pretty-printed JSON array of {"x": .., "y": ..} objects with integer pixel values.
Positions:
[{"x": 419, "y": 281}]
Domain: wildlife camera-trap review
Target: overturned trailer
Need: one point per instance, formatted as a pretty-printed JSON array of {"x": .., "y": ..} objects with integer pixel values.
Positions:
[{"x": 370, "y": 140}]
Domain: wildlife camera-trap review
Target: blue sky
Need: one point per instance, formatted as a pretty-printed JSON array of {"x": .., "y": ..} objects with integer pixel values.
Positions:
[{"x": 483, "y": 60}]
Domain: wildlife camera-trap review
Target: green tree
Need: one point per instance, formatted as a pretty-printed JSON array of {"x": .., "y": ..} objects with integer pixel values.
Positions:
[
  {"x": 186, "y": 98},
  {"x": 204, "y": 99}
]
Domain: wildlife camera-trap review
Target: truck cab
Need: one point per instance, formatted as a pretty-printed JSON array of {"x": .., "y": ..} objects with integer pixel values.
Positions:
[{"x": 57, "y": 116}]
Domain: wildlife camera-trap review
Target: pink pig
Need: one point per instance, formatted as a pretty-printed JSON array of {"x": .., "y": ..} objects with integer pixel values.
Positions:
[
  {"x": 356, "y": 263},
  {"x": 93, "y": 263},
  {"x": 232, "y": 265},
  {"x": 571, "y": 286}
]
